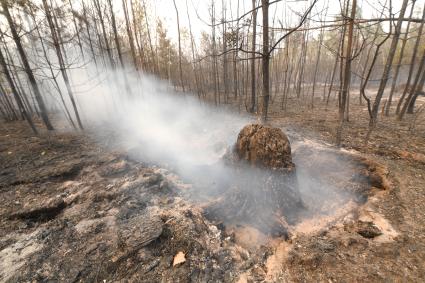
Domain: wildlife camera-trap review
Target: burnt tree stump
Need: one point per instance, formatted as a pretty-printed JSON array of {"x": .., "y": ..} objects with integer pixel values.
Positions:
[{"x": 265, "y": 191}]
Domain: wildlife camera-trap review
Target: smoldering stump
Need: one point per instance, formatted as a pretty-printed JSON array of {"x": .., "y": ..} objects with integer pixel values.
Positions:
[{"x": 265, "y": 192}]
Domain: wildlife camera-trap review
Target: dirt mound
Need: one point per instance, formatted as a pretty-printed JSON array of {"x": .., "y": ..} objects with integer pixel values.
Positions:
[{"x": 264, "y": 147}]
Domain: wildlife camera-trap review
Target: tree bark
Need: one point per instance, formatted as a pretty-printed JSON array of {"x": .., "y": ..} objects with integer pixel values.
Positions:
[
  {"x": 130, "y": 35},
  {"x": 28, "y": 70},
  {"x": 415, "y": 88},
  {"x": 254, "y": 36},
  {"x": 62, "y": 67},
  {"x": 266, "y": 59},
  {"x": 347, "y": 72},
  {"x": 180, "y": 46},
  {"x": 15, "y": 93},
  {"x": 387, "y": 69},
  {"x": 412, "y": 67},
  {"x": 118, "y": 46},
  {"x": 400, "y": 59}
]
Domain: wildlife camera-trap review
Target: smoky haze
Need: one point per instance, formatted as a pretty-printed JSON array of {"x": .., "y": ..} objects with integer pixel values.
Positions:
[
  {"x": 169, "y": 127},
  {"x": 158, "y": 125}
]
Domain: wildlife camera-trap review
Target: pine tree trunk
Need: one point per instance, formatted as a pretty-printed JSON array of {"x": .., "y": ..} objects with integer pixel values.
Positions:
[
  {"x": 64, "y": 73},
  {"x": 387, "y": 69},
  {"x": 27, "y": 68},
  {"x": 400, "y": 59},
  {"x": 347, "y": 72},
  {"x": 254, "y": 36},
  {"x": 15, "y": 93},
  {"x": 266, "y": 59}
]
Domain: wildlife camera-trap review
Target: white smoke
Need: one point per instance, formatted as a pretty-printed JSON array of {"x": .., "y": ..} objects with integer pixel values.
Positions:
[
  {"x": 168, "y": 127},
  {"x": 176, "y": 130}
]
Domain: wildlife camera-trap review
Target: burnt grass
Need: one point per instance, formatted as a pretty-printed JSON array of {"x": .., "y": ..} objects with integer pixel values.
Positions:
[{"x": 72, "y": 211}]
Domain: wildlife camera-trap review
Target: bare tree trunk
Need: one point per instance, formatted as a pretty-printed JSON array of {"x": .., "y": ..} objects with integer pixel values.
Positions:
[
  {"x": 130, "y": 35},
  {"x": 316, "y": 68},
  {"x": 412, "y": 66},
  {"x": 235, "y": 57},
  {"x": 105, "y": 36},
  {"x": 15, "y": 93},
  {"x": 254, "y": 37},
  {"x": 180, "y": 46},
  {"x": 192, "y": 43},
  {"x": 214, "y": 53},
  {"x": 342, "y": 61},
  {"x": 266, "y": 59},
  {"x": 27, "y": 67},
  {"x": 415, "y": 88},
  {"x": 153, "y": 52},
  {"x": 413, "y": 92},
  {"x": 225, "y": 73},
  {"x": 387, "y": 69},
  {"x": 334, "y": 69},
  {"x": 5, "y": 112},
  {"x": 17, "y": 81},
  {"x": 418, "y": 89},
  {"x": 301, "y": 65},
  {"x": 136, "y": 37},
  {"x": 365, "y": 76},
  {"x": 51, "y": 68},
  {"x": 62, "y": 67},
  {"x": 365, "y": 80},
  {"x": 76, "y": 28},
  {"x": 8, "y": 104},
  {"x": 347, "y": 72},
  {"x": 87, "y": 24},
  {"x": 400, "y": 59},
  {"x": 118, "y": 46},
  {"x": 285, "y": 80}
]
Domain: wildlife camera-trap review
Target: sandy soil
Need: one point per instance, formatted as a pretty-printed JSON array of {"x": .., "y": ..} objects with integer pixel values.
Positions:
[{"x": 72, "y": 211}]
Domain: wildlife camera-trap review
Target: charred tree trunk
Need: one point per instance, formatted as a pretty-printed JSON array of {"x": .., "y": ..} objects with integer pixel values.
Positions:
[
  {"x": 347, "y": 72},
  {"x": 415, "y": 88},
  {"x": 418, "y": 90},
  {"x": 87, "y": 24},
  {"x": 387, "y": 69},
  {"x": 153, "y": 52},
  {"x": 316, "y": 68},
  {"x": 412, "y": 67},
  {"x": 400, "y": 59},
  {"x": 225, "y": 73},
  {"x": 235, "y": 57},
  {"x": 8, "y": 104},
  {"x": 180, "y": 46},
  {"x": 51, "y": 70},
  {"x": 15, "y": 93},
  {"x": 76, "y": 29},
  {"x": 130, "y": 35},
  {"x": 214, "y": 55},
  {"x": 335, "y": 67},
  {"x": 266, "y": 59},
  {"x": 118, "y": 46},
  {"x": 192, "y": 44},
  {"x": 136, "y": 37},
  {"x": 254, "y": 36},
  {"x": 365, "y": 80},
  {"x": 105, "y": 36},
  {"x": 28, "y": 70},
  {"x": 62, "y": 67}
]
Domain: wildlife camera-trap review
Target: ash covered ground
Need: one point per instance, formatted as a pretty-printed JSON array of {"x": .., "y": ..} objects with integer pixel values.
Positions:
[{"x": 75, "y": 211}]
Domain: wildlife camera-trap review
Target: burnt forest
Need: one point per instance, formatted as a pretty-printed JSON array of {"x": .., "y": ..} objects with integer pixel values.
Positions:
[{"x": 212, "y": 141}]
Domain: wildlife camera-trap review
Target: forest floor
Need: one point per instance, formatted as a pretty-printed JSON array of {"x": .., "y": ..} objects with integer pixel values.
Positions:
[{"x": 74, "y": 211}]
